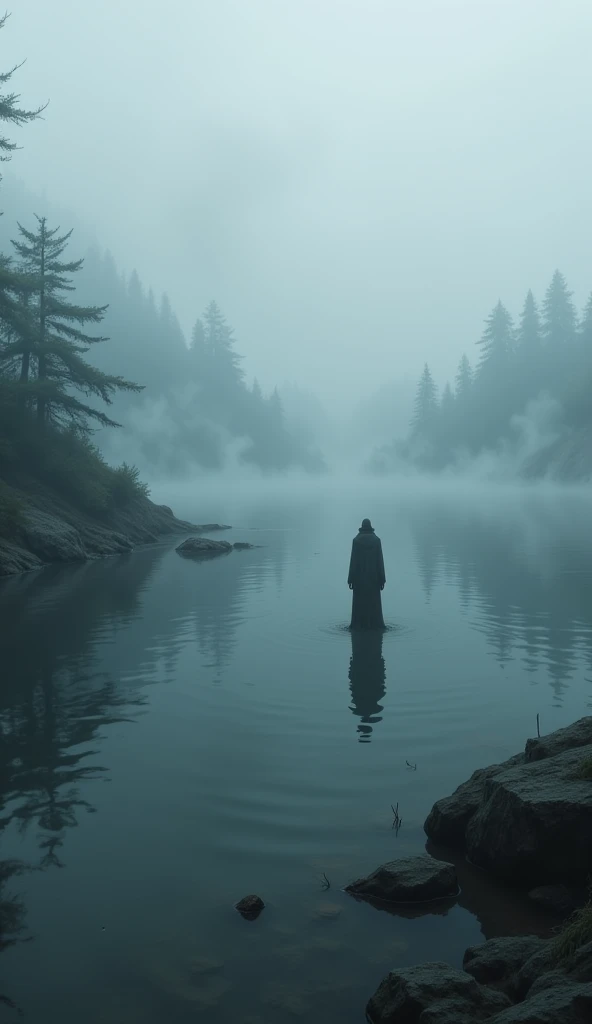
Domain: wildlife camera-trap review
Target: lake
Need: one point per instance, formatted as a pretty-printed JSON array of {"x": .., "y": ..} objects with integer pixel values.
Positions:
[{"x": 177, "y": 735}]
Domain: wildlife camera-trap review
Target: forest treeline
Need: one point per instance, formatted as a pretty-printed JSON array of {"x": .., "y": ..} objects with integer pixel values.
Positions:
[
  {"x": 196, "y": 399},
  {"x": 547, "y": 352},
  {"x": 83, "y": 349}
]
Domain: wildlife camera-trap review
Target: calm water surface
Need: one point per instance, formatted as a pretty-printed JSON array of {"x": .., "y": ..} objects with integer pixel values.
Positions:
[{"x": 177, "y": 735}]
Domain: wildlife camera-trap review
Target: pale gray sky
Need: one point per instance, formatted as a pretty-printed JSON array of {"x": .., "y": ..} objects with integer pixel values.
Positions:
[{"x": 355, "y": 181}]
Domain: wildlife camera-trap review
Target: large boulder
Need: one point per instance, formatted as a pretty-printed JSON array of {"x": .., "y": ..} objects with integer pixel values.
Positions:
[
  {"x": 541, "y": 962},
  {"x": 529, "y": 819},
  {"x": 497, "y": 961},
  {"x": 409, "y": 880},
  {"x": 433, "y": 993},
  {"x": 557, "y": 1002},
  {"x": 448, "y": 819},
  {"x": 534, "y": 825},
  {"x": 203, "y": 547}
]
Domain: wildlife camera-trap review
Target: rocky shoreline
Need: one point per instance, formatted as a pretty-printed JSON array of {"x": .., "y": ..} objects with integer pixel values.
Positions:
[
  {"x": 527, "y": 822},
  {"x": 53, "y": 531}
]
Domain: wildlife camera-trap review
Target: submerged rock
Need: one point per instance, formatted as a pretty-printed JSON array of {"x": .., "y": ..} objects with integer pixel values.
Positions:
[
  {"x": 433, "y": 993},
  {"x": 250, "y": 906},
  {"x": 241, "y": 545},
  {"x": 203, "y": 547},
  {"x": 408, "y": 880}
]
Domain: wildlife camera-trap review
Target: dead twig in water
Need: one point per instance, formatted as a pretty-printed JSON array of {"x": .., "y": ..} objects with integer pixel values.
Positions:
[
  {"x": 412, "y": 766},
  {"x": 538, "y": 730},
  {"x": 397, "y": 820},
  {"x": 325, "y": 884}
]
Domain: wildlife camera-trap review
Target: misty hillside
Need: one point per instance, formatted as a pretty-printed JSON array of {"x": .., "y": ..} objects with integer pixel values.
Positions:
[
  {"x": 195, "y": 407},
  {"x": 525, "y": 402}
]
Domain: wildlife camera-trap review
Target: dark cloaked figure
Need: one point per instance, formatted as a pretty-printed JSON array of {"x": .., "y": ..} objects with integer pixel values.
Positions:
[
  {"x": 367, "y": 680},
  {"x": 366, "y": 579}
]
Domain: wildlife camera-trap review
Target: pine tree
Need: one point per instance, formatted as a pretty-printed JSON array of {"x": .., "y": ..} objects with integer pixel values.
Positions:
[
  {"x": 559, "y": 314},
  {"x": 9, "y": 109},
  {"x": 13, "y": 288},
  {"x": 463, "y": 382},
  {"x": 222, "y": 362},
  {"x": 426, "y": 405},
  {"x": 529, "y": 352},
  {"x": 497, "y": 343},
  {"x": 52, "y": 342},
  {"x": 494, "y": 396},
  {"x": 559, "y": 334}
]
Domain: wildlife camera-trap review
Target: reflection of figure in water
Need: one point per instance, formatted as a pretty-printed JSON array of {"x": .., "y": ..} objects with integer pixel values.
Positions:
[
  {"x": 367, "y": 679},
  {"x": 366, "y": 579}
]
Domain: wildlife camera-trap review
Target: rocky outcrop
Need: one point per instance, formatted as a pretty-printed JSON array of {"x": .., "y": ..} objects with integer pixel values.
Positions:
[
  {"x": 557, "y": 1003},
  {"x": 433, "y": 994},
  {"x": 52, "y": 530},
  {"x": 497, "y": 962},
  {"x": 408, "y": 880},
  {"x": 514, "y": 980},
  {"x": 528, "y": 820},
  {"x": 448, "y": 819}
]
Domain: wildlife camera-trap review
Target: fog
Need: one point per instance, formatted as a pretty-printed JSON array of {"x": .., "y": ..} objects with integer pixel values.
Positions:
[{"x": 355, "y": 183}]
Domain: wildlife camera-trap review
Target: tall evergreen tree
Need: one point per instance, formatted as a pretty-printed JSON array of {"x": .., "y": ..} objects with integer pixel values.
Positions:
[
  {"x": 529, "y": 352},
  {"x": 463, "y": 380},
  {"x": 9, "y": 108},
  {"x": 14, "y": 289},
  {"x": 426, "y": 405},
  {"x": 559, "y": 333},
  {"x": 494, "y": 382},
  {"x": 53, "y": 341},
  {"x": 496, "y": 342},
  {"x": 559, "y": 314},
  {"x": 223, "y": 363}
]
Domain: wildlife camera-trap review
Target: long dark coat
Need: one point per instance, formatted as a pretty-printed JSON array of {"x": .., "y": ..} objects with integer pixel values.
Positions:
[{"x": 366, "y": 577}]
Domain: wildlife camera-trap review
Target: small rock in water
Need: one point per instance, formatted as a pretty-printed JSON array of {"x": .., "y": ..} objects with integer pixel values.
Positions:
[
  {"x": 203, "y": 547},
  {"x": 250, "y": 906}
]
